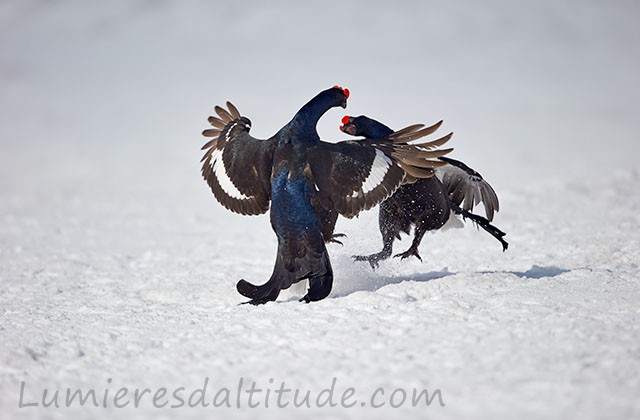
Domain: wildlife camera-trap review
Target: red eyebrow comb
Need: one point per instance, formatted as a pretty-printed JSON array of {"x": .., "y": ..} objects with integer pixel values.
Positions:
[
  {"x": 345, "y": 119},
  {"x": 344, "y": 90}
]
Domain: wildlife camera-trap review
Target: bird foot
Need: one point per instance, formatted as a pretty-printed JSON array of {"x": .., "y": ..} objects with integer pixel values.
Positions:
[
  {"x": 408, "y": 253},
  {"x": 373, "y": 259},
  {"x": 256, "y": 302}
]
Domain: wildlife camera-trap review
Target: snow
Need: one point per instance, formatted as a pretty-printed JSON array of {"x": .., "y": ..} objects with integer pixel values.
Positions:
[{"x": 118, "y": 267}]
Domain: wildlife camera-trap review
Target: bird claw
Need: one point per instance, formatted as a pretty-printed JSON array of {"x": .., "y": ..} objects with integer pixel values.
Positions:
[
  {"x": 255, "y": 302},
  {"x": 337, "y": 235},
  {"x": 408, "y": 253},
  {"x": 305, "y": 299}
]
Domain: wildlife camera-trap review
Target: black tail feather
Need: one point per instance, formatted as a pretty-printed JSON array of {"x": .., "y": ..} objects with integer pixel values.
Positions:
[
  {"x": 483, "y": 223},
  {"x": 258, "y": 294}
]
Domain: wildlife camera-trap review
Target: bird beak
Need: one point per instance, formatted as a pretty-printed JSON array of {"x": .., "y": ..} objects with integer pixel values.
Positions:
[
  {"x": 349, "y": 129},
  {"x": 344, "y": 103}
]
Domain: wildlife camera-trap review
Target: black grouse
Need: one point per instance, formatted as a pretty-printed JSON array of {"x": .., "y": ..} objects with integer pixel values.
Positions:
[
  {"x": 427, "y": 203},
  {"x": 308, "y": 183}
]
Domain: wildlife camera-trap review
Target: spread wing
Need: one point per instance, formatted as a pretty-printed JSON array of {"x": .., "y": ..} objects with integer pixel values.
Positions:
[
  {"x": 357, "y": 175},
  {"x": 237, "y": 166},
  {"x": 464, "y": 184}
]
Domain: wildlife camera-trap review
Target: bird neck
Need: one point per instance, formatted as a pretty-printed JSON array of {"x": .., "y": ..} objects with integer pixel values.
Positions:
[
  {"x": 307, "y": 117},
  {"x": 375, "y": 129}
]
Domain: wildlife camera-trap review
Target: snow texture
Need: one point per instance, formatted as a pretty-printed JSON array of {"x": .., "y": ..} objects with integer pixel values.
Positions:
[{"x": 118, "y": 267}]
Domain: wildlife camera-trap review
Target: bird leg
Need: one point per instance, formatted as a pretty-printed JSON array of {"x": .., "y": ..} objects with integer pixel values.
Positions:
[
  {"x": 420, "y": 230},
  {"x": 388, "y": 234}
]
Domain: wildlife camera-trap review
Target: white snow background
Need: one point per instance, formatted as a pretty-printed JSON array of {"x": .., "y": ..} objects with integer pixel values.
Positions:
[{"x": 118, "y": 267}]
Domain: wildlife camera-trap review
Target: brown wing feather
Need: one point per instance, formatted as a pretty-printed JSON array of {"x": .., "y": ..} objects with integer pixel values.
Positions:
[
  {"x": 357, "y": 175},
  {"x": 236, "y": 166}
]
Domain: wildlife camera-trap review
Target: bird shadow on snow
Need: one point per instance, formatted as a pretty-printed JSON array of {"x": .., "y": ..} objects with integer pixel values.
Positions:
[
  {"x": 370, "y": 281},
  {"x": 537, "y": 272},
  {"x": 359, "y": 281}
]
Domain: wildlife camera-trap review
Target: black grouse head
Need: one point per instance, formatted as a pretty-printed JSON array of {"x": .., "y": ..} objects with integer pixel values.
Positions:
[
  {"x": 349, "y": 126},
  {"x": 364, "y": 126},
  {"x": 338, "y": 95}
]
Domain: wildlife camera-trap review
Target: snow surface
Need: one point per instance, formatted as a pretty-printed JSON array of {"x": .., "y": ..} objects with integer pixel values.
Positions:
[{"x": 117, "y": 264}]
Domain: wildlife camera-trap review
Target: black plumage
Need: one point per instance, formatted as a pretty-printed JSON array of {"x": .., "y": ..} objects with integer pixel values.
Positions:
[
  {"x": 307, "y": 183},
  {"x": 427, "y": 203}
]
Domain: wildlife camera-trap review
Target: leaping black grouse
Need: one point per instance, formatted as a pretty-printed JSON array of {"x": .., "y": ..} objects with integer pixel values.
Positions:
[
  {"x": 427, "y": 203},
  {"x": 308, "y": 182}
]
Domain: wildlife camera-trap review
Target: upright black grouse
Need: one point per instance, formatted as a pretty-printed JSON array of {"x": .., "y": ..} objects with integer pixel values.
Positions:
[
  {"x": 427, "y": 203},
  {"x": 308, "y": 182}
]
